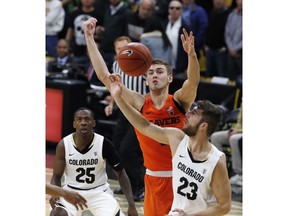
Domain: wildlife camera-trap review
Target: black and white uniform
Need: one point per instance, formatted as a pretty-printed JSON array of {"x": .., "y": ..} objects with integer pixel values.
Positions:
[
  {"x": 192, "y": 178},
  {"x": 135, "y": 83},
  {"x": 85, "y": 173}
]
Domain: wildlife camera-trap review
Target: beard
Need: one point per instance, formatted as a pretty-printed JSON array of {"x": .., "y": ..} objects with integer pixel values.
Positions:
[{"x": 191, "y": 130}]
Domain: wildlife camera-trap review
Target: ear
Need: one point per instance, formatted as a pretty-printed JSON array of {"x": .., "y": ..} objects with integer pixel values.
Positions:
[
  {"x": 94, "y": 123},
  {"x": 170, "y": 78},
  {"x": 74, "y": 124},
  {"x": 204, "y": 126}
]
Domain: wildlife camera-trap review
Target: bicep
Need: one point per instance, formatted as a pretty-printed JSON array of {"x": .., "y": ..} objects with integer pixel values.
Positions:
[
  {"x": 59, "y": 160},
  {"x": 220, "y": 183}
]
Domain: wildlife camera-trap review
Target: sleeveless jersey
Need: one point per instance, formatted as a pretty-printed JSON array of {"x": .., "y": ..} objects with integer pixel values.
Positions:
[
  {"x": 157, "y": 156},
  {"x": 191, "y": 179},
  {"x": 88, "y": 170}
]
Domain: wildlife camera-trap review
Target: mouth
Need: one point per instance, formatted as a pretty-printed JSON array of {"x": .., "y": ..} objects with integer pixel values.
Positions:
[
  {"x": 83, "y": 130},
  {"x": 155, "y": 82}
]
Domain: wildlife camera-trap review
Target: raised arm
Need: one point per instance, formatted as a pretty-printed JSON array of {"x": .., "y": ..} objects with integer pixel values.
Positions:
[
  {"x": 96, "y": 58},
  {"x": 100, "y": 67},
  {"x": 170, "y": 136},
  {"x": 187, "y": 94}
]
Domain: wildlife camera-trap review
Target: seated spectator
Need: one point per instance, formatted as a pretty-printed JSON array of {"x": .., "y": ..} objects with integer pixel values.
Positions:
[
  {"x": 63, "y": 58},
  {"x": 155, "y": 38},
  {"x": 231, "y": 137}
]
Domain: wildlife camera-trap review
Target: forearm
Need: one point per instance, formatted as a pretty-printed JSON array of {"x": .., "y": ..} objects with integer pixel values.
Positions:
[
  {"x": 98, "y": 62},
  {"x": 54, "y": 190},
  {"x": 126, "y": 188},
  {"x": 193, "y": 70}
]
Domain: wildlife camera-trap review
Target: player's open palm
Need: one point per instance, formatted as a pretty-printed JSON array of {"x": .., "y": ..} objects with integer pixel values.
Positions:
[{"x": 188, "y": 42}]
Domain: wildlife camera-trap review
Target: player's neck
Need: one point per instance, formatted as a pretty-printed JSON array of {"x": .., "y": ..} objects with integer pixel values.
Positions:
[
  {"x": 82, "y": 141},
  {"x": 200, "y": 148},
  {"x": 159, "y": 98}
]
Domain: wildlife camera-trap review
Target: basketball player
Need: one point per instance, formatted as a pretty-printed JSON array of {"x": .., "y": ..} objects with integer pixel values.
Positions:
[
  {"x": 160, "y": 108},
  {"x": 82, "y": 157},
  {"x": 200, "y": 178},
  {"x": 72, "y": 197}
]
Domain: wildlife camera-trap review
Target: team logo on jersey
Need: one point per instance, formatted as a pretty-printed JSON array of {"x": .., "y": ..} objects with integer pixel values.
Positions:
[
  {"x": 170, "y": 110},
  {"x": 204, "y": 171},
  {"x": 95, "y": 153},
  {"x": 128, "y": 52}
]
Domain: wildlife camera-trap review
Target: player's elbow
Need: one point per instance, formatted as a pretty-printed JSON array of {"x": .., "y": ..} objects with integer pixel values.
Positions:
[{"x": 226, "y": 207}]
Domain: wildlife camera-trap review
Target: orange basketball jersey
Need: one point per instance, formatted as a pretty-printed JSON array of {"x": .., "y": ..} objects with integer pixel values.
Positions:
[{"x": 157, "y": 156}]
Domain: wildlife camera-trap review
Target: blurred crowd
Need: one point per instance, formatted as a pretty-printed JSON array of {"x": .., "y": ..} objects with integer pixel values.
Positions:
[{"x": 216, "y": 25}]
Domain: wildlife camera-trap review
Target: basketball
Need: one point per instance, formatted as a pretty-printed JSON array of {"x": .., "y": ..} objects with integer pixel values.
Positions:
[{"x": 134, "y": 59}]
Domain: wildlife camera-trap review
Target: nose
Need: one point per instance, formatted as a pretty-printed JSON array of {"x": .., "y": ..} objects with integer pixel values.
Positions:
[{"x": 83, "y": 122}]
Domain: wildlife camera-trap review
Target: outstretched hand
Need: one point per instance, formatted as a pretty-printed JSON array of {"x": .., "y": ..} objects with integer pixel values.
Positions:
[
  {"x": 90, "y": 26},
  {"x": 116, "y": 85},
  {"x": 188, "y": 42}
]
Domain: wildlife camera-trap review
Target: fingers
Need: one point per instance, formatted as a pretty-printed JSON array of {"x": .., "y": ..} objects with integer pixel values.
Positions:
[{"x": 185, "y": 33}]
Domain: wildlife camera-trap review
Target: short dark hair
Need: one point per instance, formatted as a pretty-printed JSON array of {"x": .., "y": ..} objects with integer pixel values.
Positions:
[
  {"x": 85, "y": 108},
  {"x": 211, "y": 114}
]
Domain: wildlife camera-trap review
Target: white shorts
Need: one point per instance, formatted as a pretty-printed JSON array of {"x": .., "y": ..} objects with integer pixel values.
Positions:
[{"x": 100, "y": 202}]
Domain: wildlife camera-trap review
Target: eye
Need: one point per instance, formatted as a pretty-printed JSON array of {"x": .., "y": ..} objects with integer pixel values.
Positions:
[{"x": 150, "y": 73}]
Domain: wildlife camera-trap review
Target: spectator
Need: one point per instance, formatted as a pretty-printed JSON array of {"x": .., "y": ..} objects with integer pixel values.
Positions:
[
  {"x": 161, "y": 9},
  {"x": 197, "y": 20},
  {"x": 75, "y": 35},
  {"x": 113, "y": 27},
  {"x": 69, "y": 6},
  {"x": 63, "y": 58},
  {"x": 233, "y": 39},
  {"x": 124, "y": 137},
  {"x": 155, "y": 38},
  {"x": 54, "y": 23},
  {"x": 207, "y": 5},
  {"x": 215, "y": 47},
  {"x": 135, "y": 22},
  {"x": 82, "y": 156},
  {"x": 231, "y": 137},
  {"x": 159, "y": 107},
  {"x": 174, "y": 25}
]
